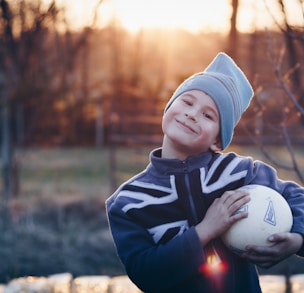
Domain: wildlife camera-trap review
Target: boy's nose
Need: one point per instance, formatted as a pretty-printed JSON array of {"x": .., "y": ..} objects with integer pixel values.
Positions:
[{"x": 191, "y": 115}]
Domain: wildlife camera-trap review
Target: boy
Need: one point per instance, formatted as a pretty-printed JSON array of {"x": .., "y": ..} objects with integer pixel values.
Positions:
[{"x": 167, "y": 221}]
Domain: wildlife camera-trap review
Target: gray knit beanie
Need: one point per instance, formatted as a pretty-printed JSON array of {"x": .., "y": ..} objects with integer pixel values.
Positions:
[{"x": 227, "y": 85}]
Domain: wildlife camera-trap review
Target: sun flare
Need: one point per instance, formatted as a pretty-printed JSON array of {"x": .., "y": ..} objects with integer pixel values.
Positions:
[{"x": 191, "y": 15}]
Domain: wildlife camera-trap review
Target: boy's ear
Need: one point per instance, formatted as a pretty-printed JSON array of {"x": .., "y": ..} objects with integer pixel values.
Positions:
[{"x": 216, "y": 146}]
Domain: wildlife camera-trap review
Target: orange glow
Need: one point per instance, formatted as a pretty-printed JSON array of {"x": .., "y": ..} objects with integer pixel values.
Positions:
[
  {"x": 191, "y": 15},
  {"x": 213, "y": 266}
]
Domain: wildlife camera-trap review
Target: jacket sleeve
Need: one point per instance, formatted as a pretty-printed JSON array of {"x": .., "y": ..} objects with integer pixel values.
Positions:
[
  {"x": 153, "y": 267},
  {"x": 263, "y": 174}
]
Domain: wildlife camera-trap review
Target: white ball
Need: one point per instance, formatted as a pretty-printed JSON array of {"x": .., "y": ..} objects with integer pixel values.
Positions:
[{"x": 268, "y": 213}]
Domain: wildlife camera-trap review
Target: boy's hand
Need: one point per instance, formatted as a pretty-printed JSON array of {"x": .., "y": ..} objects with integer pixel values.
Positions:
[
  {"x": 284, "y": 245},
  {"x": 221, "y": 215}
]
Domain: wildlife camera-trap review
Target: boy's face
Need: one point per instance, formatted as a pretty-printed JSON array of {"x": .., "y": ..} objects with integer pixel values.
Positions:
[{"x": 191, "y": 125}]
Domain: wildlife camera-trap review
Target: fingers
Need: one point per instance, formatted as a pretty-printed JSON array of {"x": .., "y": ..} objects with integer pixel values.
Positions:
[
  {"x": 229, "y": 197},
  {"x": 267, "y": 256},
  {"x": 238, "y": 216},
  {"x": 279, "y": 237},
  {"x": 233, "y": 200},
  {"x": 262, "y": 259}
]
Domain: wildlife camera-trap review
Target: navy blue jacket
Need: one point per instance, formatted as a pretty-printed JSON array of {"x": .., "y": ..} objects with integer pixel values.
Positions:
[{"x": 152, "y": 219}]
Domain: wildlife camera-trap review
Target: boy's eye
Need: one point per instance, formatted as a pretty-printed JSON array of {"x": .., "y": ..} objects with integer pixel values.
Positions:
[
  {"x": 208, "y": 116},
  {"x": 187, "y": 102}
]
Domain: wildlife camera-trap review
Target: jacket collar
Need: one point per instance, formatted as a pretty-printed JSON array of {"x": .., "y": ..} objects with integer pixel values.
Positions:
[{"x": 173, "y": 166}]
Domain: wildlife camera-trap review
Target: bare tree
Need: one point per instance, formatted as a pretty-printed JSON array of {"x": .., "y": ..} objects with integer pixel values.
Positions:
[
  {"x": 8, "y": 64},
  {"x": 286, "y": 63},
  {"x": 31, "y": 64},
  {"x": 294, "y": 43},
  {"x": 233, "y": 32}
]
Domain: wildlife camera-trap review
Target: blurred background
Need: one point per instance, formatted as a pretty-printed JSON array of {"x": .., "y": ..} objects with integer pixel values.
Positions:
[{"x": 83, "y": 85}]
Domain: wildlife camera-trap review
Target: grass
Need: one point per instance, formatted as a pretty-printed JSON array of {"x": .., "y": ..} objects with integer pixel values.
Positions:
[
  {"x": 58, "y": 221},
  {"x": 53, "y": 174},
  {"x": 66, "y": 172}
]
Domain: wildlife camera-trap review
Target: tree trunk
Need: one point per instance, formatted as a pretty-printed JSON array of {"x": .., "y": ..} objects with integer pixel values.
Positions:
[
  {"x": 233, "y": 33},
  {"x": 5, "y": 147}
]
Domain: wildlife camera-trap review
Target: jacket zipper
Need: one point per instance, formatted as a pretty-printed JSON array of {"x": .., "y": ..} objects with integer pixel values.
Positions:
[{"x": 190, "y": 196}]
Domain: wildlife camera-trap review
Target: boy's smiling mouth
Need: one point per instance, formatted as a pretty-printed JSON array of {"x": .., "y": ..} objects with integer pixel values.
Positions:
[{"x": 186, "y": 126}]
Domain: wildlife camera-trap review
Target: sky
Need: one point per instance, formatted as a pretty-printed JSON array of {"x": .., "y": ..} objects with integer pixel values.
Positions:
[{"x": 192, "y": 15}]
